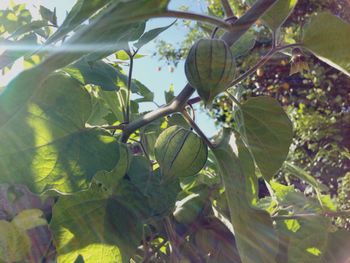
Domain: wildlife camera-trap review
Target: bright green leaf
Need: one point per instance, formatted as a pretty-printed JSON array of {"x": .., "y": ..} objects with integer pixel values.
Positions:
[
  {"x": 99, "y": 227},
  {"x": 28, "y": 219},
  {"x": 43, "y": 134}
]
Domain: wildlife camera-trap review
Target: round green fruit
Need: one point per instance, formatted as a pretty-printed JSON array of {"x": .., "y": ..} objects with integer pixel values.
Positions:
[
  {"x": 180, "y": 152},
  {"x": 209, "y": 68}
]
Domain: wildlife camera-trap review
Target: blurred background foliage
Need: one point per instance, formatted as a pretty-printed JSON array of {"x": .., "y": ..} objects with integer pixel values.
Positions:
[{"x": 316, "y": 97}]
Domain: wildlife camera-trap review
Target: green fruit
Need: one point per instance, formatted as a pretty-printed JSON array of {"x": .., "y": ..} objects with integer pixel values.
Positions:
[
  {"x": 180, "y": 152},
  {"x": 209, "y": 68}
]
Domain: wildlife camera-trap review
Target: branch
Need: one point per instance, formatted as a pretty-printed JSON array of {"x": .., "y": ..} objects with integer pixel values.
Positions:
[
  {"x": 176, "y": 105},
  {"x": 247, "y": 20},
  {"x": 261, "y": 62},
  {"x": 197, "y": 17},
  {"x": 227, "y": 8}
]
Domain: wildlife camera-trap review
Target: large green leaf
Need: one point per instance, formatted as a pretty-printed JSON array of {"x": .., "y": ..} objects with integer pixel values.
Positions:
[
  {"x": 254, "y": 233},
  {"x": 268, "y": 132},
  {"x": 43, "y": 140},
  {"x": 98, "y": 227},
  {"x": 327, "y": 36}
]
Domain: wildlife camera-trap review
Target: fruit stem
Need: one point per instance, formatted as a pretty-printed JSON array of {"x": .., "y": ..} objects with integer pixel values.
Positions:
[{"x": 197, "y": 129}]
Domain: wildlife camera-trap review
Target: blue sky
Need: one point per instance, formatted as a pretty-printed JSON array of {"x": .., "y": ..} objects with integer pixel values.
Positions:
[{"x": 145, "y": 69}]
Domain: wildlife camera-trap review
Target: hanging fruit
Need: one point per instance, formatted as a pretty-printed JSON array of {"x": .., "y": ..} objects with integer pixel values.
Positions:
[{"x": 209, "y": 68}]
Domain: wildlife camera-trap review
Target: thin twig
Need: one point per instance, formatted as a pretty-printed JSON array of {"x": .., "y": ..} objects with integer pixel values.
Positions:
[
  {"x": 298, "y": 216},
  {"x": 131, "y": 66},
  {"x": 197, "y": 129},
  {"x": 227, "y": 8},
  {"x": 261, "y": 62},
  {"x": 238, "y": 104}
]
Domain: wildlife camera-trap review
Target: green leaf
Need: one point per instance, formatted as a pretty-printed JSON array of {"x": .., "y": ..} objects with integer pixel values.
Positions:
[
  {"x": 255, "y": 237},
  {"x": 327, "y": 36},
  {"x": 98, "y": 227},
  {"x": 303, "y": 175},
  {"x": 142, "y": 90},
  {"x": 81, "y": 11},
  {"x": 14, "y": 243},
  {"x": 188, "y": 209},
  {"x": 98, "y": 73},
  {"x": 337, "y": 249},
  {"x": 42, "y": 131},
  {"x": 169, "y": 95},
  {"x": 110, "y": 180},
  {"x": 150, "y": 35},
  {"x": 267, "y": 131},
  {"x": 28, "y": 219},
  {"x": 10, "y": 56},
  {"x": 32, "y": 26},
  {"x": 48, "y": 15},
  {"x": 160, "y": 196},
  {"x": 122, "y": 55},
  {"x": 244, "y": 44}
]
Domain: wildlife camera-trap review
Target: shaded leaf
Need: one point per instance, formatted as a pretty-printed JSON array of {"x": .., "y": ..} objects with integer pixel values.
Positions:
[
  {"x": 327, "y": 36},
  {"x": 97, "y": 73},
  {"x": 267, "y": 131},
  {"x": 150, "y": 35},
  {"x": 80, "y": 12},
  {"x": 244, "y": 44},
  {"x": 254, "y": 233}
]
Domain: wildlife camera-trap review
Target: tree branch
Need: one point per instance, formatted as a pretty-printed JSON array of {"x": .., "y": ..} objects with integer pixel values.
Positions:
[
  {"x": 197, "y": 17},
  {"x": 227, "y": 8}
]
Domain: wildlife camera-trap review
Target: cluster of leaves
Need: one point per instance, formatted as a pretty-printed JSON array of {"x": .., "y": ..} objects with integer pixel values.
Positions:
[{"x": 63, "y": 134}]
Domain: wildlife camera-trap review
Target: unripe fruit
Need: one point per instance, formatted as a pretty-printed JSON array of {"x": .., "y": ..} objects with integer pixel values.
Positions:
[
  {"x": 180, "y": 152},
  {"x": 209, "y": 68}
]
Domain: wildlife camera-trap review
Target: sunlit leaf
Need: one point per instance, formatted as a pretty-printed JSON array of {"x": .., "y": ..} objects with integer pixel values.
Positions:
[
  {"x": 99, "y": 227},
  {"x": 43, "y": 134}
]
